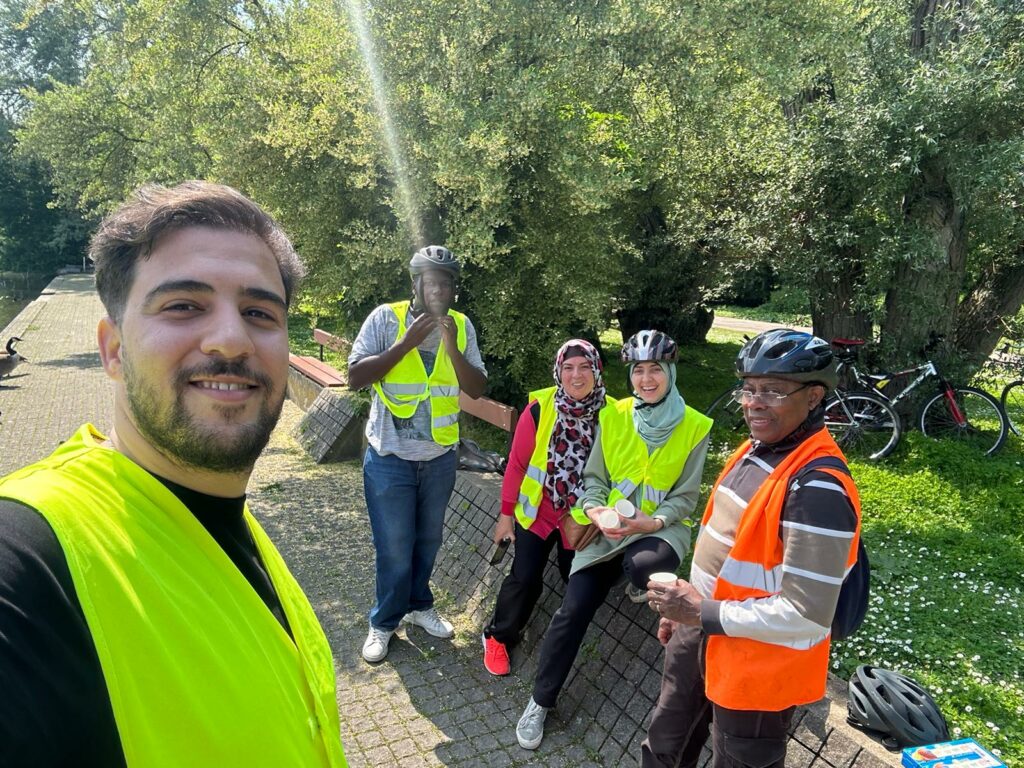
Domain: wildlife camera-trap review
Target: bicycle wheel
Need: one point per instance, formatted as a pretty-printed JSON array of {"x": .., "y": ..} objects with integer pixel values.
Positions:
[
  {"x": 983, "y": 423},
  {"x": 729, "y": 428},
  {"x": 864, "y": 426},
  {"x": 1013, "y": 406}
]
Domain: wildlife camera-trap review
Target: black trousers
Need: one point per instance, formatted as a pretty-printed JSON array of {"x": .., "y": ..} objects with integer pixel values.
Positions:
[
  {"x": 586, "y": 591},
  {"x": 683, "y": 717},
  {"x": 523, "y": 586}
]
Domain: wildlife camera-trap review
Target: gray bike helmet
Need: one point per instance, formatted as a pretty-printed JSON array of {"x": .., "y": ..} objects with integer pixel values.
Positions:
[
  {"x": 649, "y": 346},
  {"x": 786, "y": 354},
  {"x": 895, "y": 706},
  {"x": 434, "y": 257}
]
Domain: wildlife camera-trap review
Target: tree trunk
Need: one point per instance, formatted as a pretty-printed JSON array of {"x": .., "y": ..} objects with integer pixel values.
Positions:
[
  {"x": 921, "y": 303},
  {"x": 998, "y": 294},
  {"x": 835, "y": 309}
]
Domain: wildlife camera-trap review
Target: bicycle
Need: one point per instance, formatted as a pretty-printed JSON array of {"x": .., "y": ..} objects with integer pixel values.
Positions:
[
  {"x": 1011, "y": 360},
  {"x": 962, "y": 413},
  {"x": 864, "y": 425}
]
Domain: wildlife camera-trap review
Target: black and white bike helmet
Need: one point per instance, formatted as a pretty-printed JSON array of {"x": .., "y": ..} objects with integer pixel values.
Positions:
[
  {"x": 649, "y": 346},
  {"x": 786, "y": 354},
  {"x": 434, "y": 257},
  {"x": 895, "y": 706}
]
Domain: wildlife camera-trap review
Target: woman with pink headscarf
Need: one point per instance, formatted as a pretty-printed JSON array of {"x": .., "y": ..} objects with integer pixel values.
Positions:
[{"x": 543, "y": 481}]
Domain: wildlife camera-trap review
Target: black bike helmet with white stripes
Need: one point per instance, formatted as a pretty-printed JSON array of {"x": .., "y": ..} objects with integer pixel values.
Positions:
[
  {"x": 786, "y": 354},
  {"x": 895, "y": 706},
  {"x": 434, "y": 257},
  {"x": 649, "y": 346}
]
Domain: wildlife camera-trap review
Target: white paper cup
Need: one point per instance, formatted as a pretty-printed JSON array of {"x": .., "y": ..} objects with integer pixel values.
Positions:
[
  {"x": 663, "y": 577},
  {"x": 608, "y": 518},
  {"x": 625, "y": 508}
]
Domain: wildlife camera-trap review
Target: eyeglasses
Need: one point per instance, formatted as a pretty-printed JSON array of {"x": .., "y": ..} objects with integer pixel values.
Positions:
[{"x": 766, "y": 397}]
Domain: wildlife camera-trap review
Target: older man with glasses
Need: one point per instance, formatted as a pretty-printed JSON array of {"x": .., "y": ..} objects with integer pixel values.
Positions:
[{"x": 747, "y": 637}]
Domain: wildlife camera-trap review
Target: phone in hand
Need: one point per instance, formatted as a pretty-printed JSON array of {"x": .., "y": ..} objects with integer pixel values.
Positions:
[{"x": 499, "y": 550}]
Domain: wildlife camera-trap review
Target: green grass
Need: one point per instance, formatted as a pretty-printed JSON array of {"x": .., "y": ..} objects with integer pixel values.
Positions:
[{"x": 943, "y": 529}]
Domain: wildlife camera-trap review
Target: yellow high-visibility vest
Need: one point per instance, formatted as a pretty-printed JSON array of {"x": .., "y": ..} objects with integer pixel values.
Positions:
[
  {"x": 198, "y": 669},
  {"x": 406, "y": 385},
  {"x": 531, "y": 489},
  {"x": 629, "y": 464}
]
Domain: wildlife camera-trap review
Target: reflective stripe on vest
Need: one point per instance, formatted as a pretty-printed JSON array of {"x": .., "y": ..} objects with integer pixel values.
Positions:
[
  {"x": 198, "y": 670},
  {"x": 630, "y": 465},
  {"x": 531, "y": 489},
  {"x": 406, "y": 385},
  {"x": 750, "y": 674}
]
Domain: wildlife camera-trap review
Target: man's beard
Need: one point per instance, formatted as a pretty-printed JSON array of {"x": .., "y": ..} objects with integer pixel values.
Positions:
[{"x": 172, "y": 431}]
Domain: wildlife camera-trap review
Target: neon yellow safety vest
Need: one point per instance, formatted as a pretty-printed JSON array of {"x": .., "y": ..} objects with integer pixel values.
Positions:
[
  {"x": 406, "y": 385},
  {"x": 199, "y": 671},
  {"x": 532, "y": 487},
  {"x": 630, "y": 465}
]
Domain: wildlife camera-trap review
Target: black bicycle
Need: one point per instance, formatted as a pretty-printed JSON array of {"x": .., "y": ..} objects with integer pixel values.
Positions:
[
  {"x": 1011, "y": 359},
  {"x": 864, "y": 425},
  {"x": 967, "y": 414}
]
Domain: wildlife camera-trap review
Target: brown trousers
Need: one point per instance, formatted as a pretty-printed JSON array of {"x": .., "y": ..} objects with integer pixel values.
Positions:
[{"x": 684, "y": 716}]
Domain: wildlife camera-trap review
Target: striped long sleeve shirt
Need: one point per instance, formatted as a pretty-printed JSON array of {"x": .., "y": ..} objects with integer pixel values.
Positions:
[{"x": 817, "y": 527}]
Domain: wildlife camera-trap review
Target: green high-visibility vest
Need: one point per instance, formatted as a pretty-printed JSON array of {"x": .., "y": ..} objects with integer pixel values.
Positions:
[
  {"x": 531, "y": 489},
  {"x": 198, "y": 669},
  {"x": 406, "y": 385},
  {"x": 631, "y": 466}
]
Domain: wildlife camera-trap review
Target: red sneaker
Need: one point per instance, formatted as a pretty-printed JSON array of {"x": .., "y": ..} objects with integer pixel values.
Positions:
[{"x": 495, "y": 656}]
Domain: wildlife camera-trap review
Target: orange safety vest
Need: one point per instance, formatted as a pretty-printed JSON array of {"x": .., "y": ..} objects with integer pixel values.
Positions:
[{"x": 750, "y": 674}]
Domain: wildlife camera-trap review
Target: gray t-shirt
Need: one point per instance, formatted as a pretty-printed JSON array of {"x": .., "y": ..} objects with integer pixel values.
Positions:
[{"x": 409, "y": 439}]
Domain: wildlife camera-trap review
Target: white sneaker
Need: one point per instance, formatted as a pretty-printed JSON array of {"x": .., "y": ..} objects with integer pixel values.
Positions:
[
  {"x": 530, "y": 730},
  {"x": 430, "y": 621},
  {"x": 636, "y": 594},
  {"x": 376, "y": 646}
]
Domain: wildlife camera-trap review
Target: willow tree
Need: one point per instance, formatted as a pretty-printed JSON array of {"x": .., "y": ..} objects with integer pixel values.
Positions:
[{"x": 905, "y": 187}]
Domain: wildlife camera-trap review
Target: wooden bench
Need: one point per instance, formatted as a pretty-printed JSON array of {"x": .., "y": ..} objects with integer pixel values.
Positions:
[
  {"x": 322, "y": 373},
  {"x": 500, "y": 415},
  {"x": 317, "y": 370},
  {"x": 325, "y": 339}
]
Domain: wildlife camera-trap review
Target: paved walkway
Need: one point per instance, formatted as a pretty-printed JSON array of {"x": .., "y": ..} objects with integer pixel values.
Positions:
[{"x": 751, "y": 326}]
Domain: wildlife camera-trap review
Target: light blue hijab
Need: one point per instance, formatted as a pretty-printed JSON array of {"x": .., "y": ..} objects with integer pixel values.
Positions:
[{"x": 655, "y": 422}]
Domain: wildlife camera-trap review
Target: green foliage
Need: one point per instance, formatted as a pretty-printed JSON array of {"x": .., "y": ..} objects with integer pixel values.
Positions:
[{"x": 38, "y": 46}]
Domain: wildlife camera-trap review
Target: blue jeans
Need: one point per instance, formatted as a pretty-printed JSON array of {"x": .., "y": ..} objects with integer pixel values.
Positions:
[{"x": 406, "y": 501}]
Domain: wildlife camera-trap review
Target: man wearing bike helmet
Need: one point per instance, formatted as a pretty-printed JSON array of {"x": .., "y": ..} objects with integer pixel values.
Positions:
[
  {"x": 418, "y": 356},
  {"x": 747, "y": 637}
]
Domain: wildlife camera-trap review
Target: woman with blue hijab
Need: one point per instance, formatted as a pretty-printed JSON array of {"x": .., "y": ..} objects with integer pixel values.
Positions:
[{"x": 649, "y": 451}]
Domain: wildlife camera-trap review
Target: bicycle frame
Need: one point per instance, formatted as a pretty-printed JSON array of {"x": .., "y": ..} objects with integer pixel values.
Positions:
[{"x": 926, "y": 370}]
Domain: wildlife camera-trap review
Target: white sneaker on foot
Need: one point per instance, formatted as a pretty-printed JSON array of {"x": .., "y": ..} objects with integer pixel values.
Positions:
[
  {"x": 636, "y": 594},
  {"x": 431, "y": 621},
  {"x": 376, "y": 646},
  {"x": 530, "y": 731}
]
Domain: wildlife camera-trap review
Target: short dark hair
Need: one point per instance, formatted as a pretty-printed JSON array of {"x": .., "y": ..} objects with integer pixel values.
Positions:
[{"x": 130, "y": 232}]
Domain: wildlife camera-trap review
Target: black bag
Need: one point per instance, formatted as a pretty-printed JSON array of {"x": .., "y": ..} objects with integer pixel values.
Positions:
[
  {"x": 476, "y": 459},
  {"x": 853, "y": 595}
]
